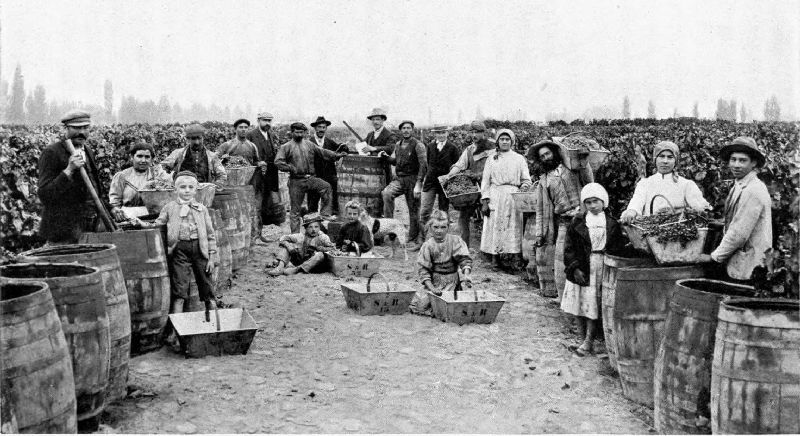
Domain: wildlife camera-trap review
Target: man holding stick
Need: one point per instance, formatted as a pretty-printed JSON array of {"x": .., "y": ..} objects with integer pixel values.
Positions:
[{"x": 69, "y": 203}]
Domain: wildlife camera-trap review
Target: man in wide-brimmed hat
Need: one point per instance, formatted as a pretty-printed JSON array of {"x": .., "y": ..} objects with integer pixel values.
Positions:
[
  {"x": 471, "y": 163},
  {"x": 441, "y": 155},
  {"x": 326, "y": 170},
  {"x": 68, "y": 209},
  {"x": 297, "y": 157},
  {"x": 379, "y": 140},
  {"x": 558, "y": 200},
  {"x": 266, "y": 178},
  {"x": 195, "y": 157},
  {"x": 302, "y": 252},
  {"x": 748, "y": 212}
]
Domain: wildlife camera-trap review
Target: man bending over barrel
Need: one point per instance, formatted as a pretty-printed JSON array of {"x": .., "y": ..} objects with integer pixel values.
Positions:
[{"x": 302, "y": 252}]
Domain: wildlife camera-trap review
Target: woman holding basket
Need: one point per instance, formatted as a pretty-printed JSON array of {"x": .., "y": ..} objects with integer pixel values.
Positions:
[
  {"x": 126, "y": 184},
  {"x": 665, "y": 188}
]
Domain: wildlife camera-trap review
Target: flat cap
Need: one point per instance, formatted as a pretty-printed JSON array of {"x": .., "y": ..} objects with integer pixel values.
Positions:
[
  {"x": 241, "y": 121},
  {"x": 194, "y": 130},
  {"x": 743, "y": 144},
  {"x": 186, "y": 174},
  {"x": 298, "y": 126},
  {"x": 439, "y": 128},
  {"x": 400, "y": 126},
  {"x": 477, "y": 126},
  {"x": 76, "y": 118},
  {"x": 264, "y": 116},
  {"x": 313, "y": 217}
]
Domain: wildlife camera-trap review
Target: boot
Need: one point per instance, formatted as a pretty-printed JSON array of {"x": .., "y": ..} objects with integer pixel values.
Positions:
[{"x": 277, "y": 271}]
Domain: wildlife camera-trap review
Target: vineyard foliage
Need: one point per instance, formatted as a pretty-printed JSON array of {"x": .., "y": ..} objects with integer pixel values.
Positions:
[{"x": 629, "y": 141}]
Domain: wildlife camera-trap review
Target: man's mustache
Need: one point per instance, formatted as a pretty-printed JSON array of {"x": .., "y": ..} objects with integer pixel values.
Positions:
[{"x": 80, "y": 135}]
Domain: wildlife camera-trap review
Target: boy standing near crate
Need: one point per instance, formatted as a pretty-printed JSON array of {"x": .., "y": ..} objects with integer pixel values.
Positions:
[
  {"x": 191, "y": 242},
  {"x": 302, "y": 252},
  {"x": 444, "y": 263},
  {"x": 354, "y": 236}
]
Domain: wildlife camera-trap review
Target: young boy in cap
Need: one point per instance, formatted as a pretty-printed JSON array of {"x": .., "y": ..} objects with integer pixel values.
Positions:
[
  {"x": 748, "y": 212},
  {"x": 302, "y": 252},
  {"x": 191, "y": 244},
  {"x": 354, "y": 236}
]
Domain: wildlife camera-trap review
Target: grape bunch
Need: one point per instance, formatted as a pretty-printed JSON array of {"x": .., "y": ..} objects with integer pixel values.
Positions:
[
  {"x": 158, "y": 185},
  {"x": 460, "y": 184},
  {"x": 237, "y": 162},
  {"x": 581, "y": 143},
  {"x": 669, "y": 226}
]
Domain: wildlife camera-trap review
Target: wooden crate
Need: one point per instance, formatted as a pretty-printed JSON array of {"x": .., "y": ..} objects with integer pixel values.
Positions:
[
  {"x": 384, "y": 299},
  {"x": 525, "y": 201},
  {"x": 464, "y": 309},
  {"x": 199, "y": 338},
  {"x": 352, "y": 266}
]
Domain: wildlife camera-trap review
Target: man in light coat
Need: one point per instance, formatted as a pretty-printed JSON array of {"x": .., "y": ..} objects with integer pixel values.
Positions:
[{"x": 748, "y": 212}]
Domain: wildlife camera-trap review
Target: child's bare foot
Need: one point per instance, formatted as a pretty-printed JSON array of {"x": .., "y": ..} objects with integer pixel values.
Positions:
[
  {"x": 276, "y": 271},
  {"x": 291, "y": 271}
]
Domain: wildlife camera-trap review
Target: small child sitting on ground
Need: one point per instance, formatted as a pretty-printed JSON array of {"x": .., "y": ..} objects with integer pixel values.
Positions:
[
  {"x": 354, "y": 234},
  {"x": 191, "y": 242},
  {"x": 303, "y": 252},
  {"x": 444, "y": 263},
  {"x": 590, "y": 234}
]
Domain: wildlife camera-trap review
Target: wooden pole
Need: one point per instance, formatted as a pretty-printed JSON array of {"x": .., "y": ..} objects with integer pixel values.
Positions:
[{"x": 101, "y": 209}]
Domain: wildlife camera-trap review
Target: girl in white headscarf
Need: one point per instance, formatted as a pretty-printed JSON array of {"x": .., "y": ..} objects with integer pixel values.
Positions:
[
  {"x": 505, "y": 173},
  {"x": 591, "y": 233},
  {"x": 678, "y": 191}
]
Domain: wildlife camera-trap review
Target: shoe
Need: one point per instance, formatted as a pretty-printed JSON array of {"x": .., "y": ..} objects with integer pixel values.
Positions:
[
  {"x": 277, "y": 271},
  {"x": 292, "y": 270}
]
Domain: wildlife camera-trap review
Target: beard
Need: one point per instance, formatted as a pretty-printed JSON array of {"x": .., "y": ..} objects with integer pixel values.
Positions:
[{"x": 549, "y": 165}]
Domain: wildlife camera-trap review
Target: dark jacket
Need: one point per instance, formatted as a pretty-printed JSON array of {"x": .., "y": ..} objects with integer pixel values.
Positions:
[
  {"x": 384, "y": 142},
  {"x": 578, "y": 245},
  {"x": 439, "y": 163},
  {"x": 325, "y": 169},
  {"x": 356, "y": 232},
  {"x": 411, "y": 160},
  {"x": 64, "y": 199},
  {"x": 266, "y": 152}
]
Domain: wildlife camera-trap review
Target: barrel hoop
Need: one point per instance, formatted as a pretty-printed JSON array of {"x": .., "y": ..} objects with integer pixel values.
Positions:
[
  {"x": 17, "y": 315},
  {"x": 642, "y": 317},
  {"x": 773, "y": 344},
  {"x": 11, "y": 372},
  {"x": 760, "y": 376},
  {"x": 84, "y": 327},
  {"x": 8, "y": 340}
]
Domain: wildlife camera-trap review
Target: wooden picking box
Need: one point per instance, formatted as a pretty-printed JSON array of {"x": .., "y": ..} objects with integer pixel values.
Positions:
[
  {"x": 199, "y": 337},
  {"x": 466, "y": 309},
  {"x": 352, "y": 266},
  {"x": 391, "y": 299}
]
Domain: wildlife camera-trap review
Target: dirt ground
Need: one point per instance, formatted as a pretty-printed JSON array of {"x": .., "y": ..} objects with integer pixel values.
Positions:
[{"x": 317, "y": 367}]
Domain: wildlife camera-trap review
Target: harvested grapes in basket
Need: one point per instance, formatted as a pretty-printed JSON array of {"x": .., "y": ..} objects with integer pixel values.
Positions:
[
  {"x": 236, "y": 162},
  {"x": 668, "y": 226},
  {"x": 460, "y": 184},
  {"x": 581, "y": 143},
  {"x": 158, "y": 185}
]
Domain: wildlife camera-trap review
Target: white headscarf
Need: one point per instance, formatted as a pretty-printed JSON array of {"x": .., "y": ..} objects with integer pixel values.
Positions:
[{"x": 594, "y": 190}]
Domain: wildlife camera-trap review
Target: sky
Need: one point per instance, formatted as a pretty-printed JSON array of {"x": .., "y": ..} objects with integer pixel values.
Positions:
[{"x": 423, "y": 60}]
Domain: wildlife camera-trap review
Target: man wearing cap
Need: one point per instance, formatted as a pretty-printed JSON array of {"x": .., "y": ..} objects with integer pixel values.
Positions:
[
  {"x": 441, "y": 155},
  {"x": 266, "y": 179},
  {"x": 297, "y": 158},
  {"x": 558, "y": 200},
  {"x": 68, "y": 209},
  {"x": 326, "y": 170},
  {"x": 471, "y": 163},
  {"x": 379, "y": 140},
  {"x": 410, "y": 161},
  {"x": 748, "y": 212},
  {"x": 196, "y": 158},
  {"x": 239, "y": 145}
]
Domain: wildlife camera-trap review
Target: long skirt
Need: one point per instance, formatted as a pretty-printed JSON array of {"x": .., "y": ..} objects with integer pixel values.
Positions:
[
  {"x": 585, "y": 300},
  {"x": 502, "y": 230}
]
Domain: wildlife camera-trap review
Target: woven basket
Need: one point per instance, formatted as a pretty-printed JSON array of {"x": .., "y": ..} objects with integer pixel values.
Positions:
[
  {"x": 239, "y": 176},
  {"x": 461, "y": 200},
  {"x": 524, "y": 201},
  {"x": 394, "y": 299},
  {"x": 672, "y": 253},
  {"x": 638, "y": 240},
  {"x": 571, "y": 156},
  {"x": 154, "y": 201},
  {"x": 205, "y": 194}
]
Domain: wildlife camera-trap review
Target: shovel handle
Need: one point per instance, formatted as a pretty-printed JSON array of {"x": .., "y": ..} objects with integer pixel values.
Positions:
[
  {"x": 216, "y": 315},
  {"x": 101, "y": 209}
]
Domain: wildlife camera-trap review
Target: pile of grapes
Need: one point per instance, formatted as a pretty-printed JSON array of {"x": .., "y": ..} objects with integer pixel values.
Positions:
[
  {"x": 460, "y": 184},
  {"x": 337, "y": 252},
  {"x": 158, "y": 185},
  {"x": 581, "y": 143},
  {"x": 236, "y": 162},
  {"x": 669, "y": 226}
]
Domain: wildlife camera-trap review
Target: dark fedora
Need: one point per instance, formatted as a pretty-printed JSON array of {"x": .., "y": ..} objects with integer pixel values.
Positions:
[
  {"x": 320, "y": 120},
  {"x": 743, "y": 144}
]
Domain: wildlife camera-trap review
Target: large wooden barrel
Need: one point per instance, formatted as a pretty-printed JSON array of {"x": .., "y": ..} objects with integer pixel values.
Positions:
[
  {"x": 104, "y": 258},
  {"x": 38, "y": 386},
  {"x": 612, "y": 264},
  {"x": 236, "y": 225},
  {"x": 283, "y": 190},
  {"x": 641, "y": 300},
  {"x": 683, "y": 363},
  {"x": 8, "y": 416},
  {"x": 224, "y": 271},
  {"x": 144, "y": 266},
  {"x": 250, "y": 214},
  {"x": 755, "y": 375},
  {"x": 79, "y": 299},
  {"x": 361, "y": 178}
]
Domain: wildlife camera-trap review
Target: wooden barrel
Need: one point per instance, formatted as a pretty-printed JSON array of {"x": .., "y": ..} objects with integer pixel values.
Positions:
[
  {"x": 612, "y": 264},
  {"x": 38, "y": 386},
  {"x": 640, "y": 309},
  {"x": 104, "y": 258},
  {"x": 229, "y": 207},
  {"x": 144, "y": 266},
  {"x": 79, "y": 299},
  {"x": 250, "y": 212},
  {"x": 755, "y": 375},
  {"x": 8, "y": 417},
  {"x": 283, "y": 190},
  {"x": 683, "y": 363},
  {"x": 224, "y": 271},
  {"x": 361, "y": 178}
]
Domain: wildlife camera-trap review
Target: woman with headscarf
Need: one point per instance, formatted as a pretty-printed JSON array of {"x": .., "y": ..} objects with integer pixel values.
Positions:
[
  {"x": 678, "y": 191},
  {"x": 125, "y": 185},
  {"x": 505, "y": 173}
]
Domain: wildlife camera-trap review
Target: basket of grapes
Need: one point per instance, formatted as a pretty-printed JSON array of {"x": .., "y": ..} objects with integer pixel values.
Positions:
[
  {"x": 574, "y": 145},
  {"x": 239, "y": 171},
  {"x": 156, "y": 193},
  {"x": 674, "y": 238},
  {"x": 461, "y": 190}
]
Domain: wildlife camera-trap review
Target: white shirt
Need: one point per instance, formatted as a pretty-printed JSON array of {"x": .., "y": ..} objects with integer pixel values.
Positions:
[
  {"x": 377, "y": 133},
  {"x": 266, "y": 134},
  {"x": 319, "y": 141},
  {"x": 597, "y": 230},
  {"x": 439, "y": 146},
  {"x": 680, "y": 194}
]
